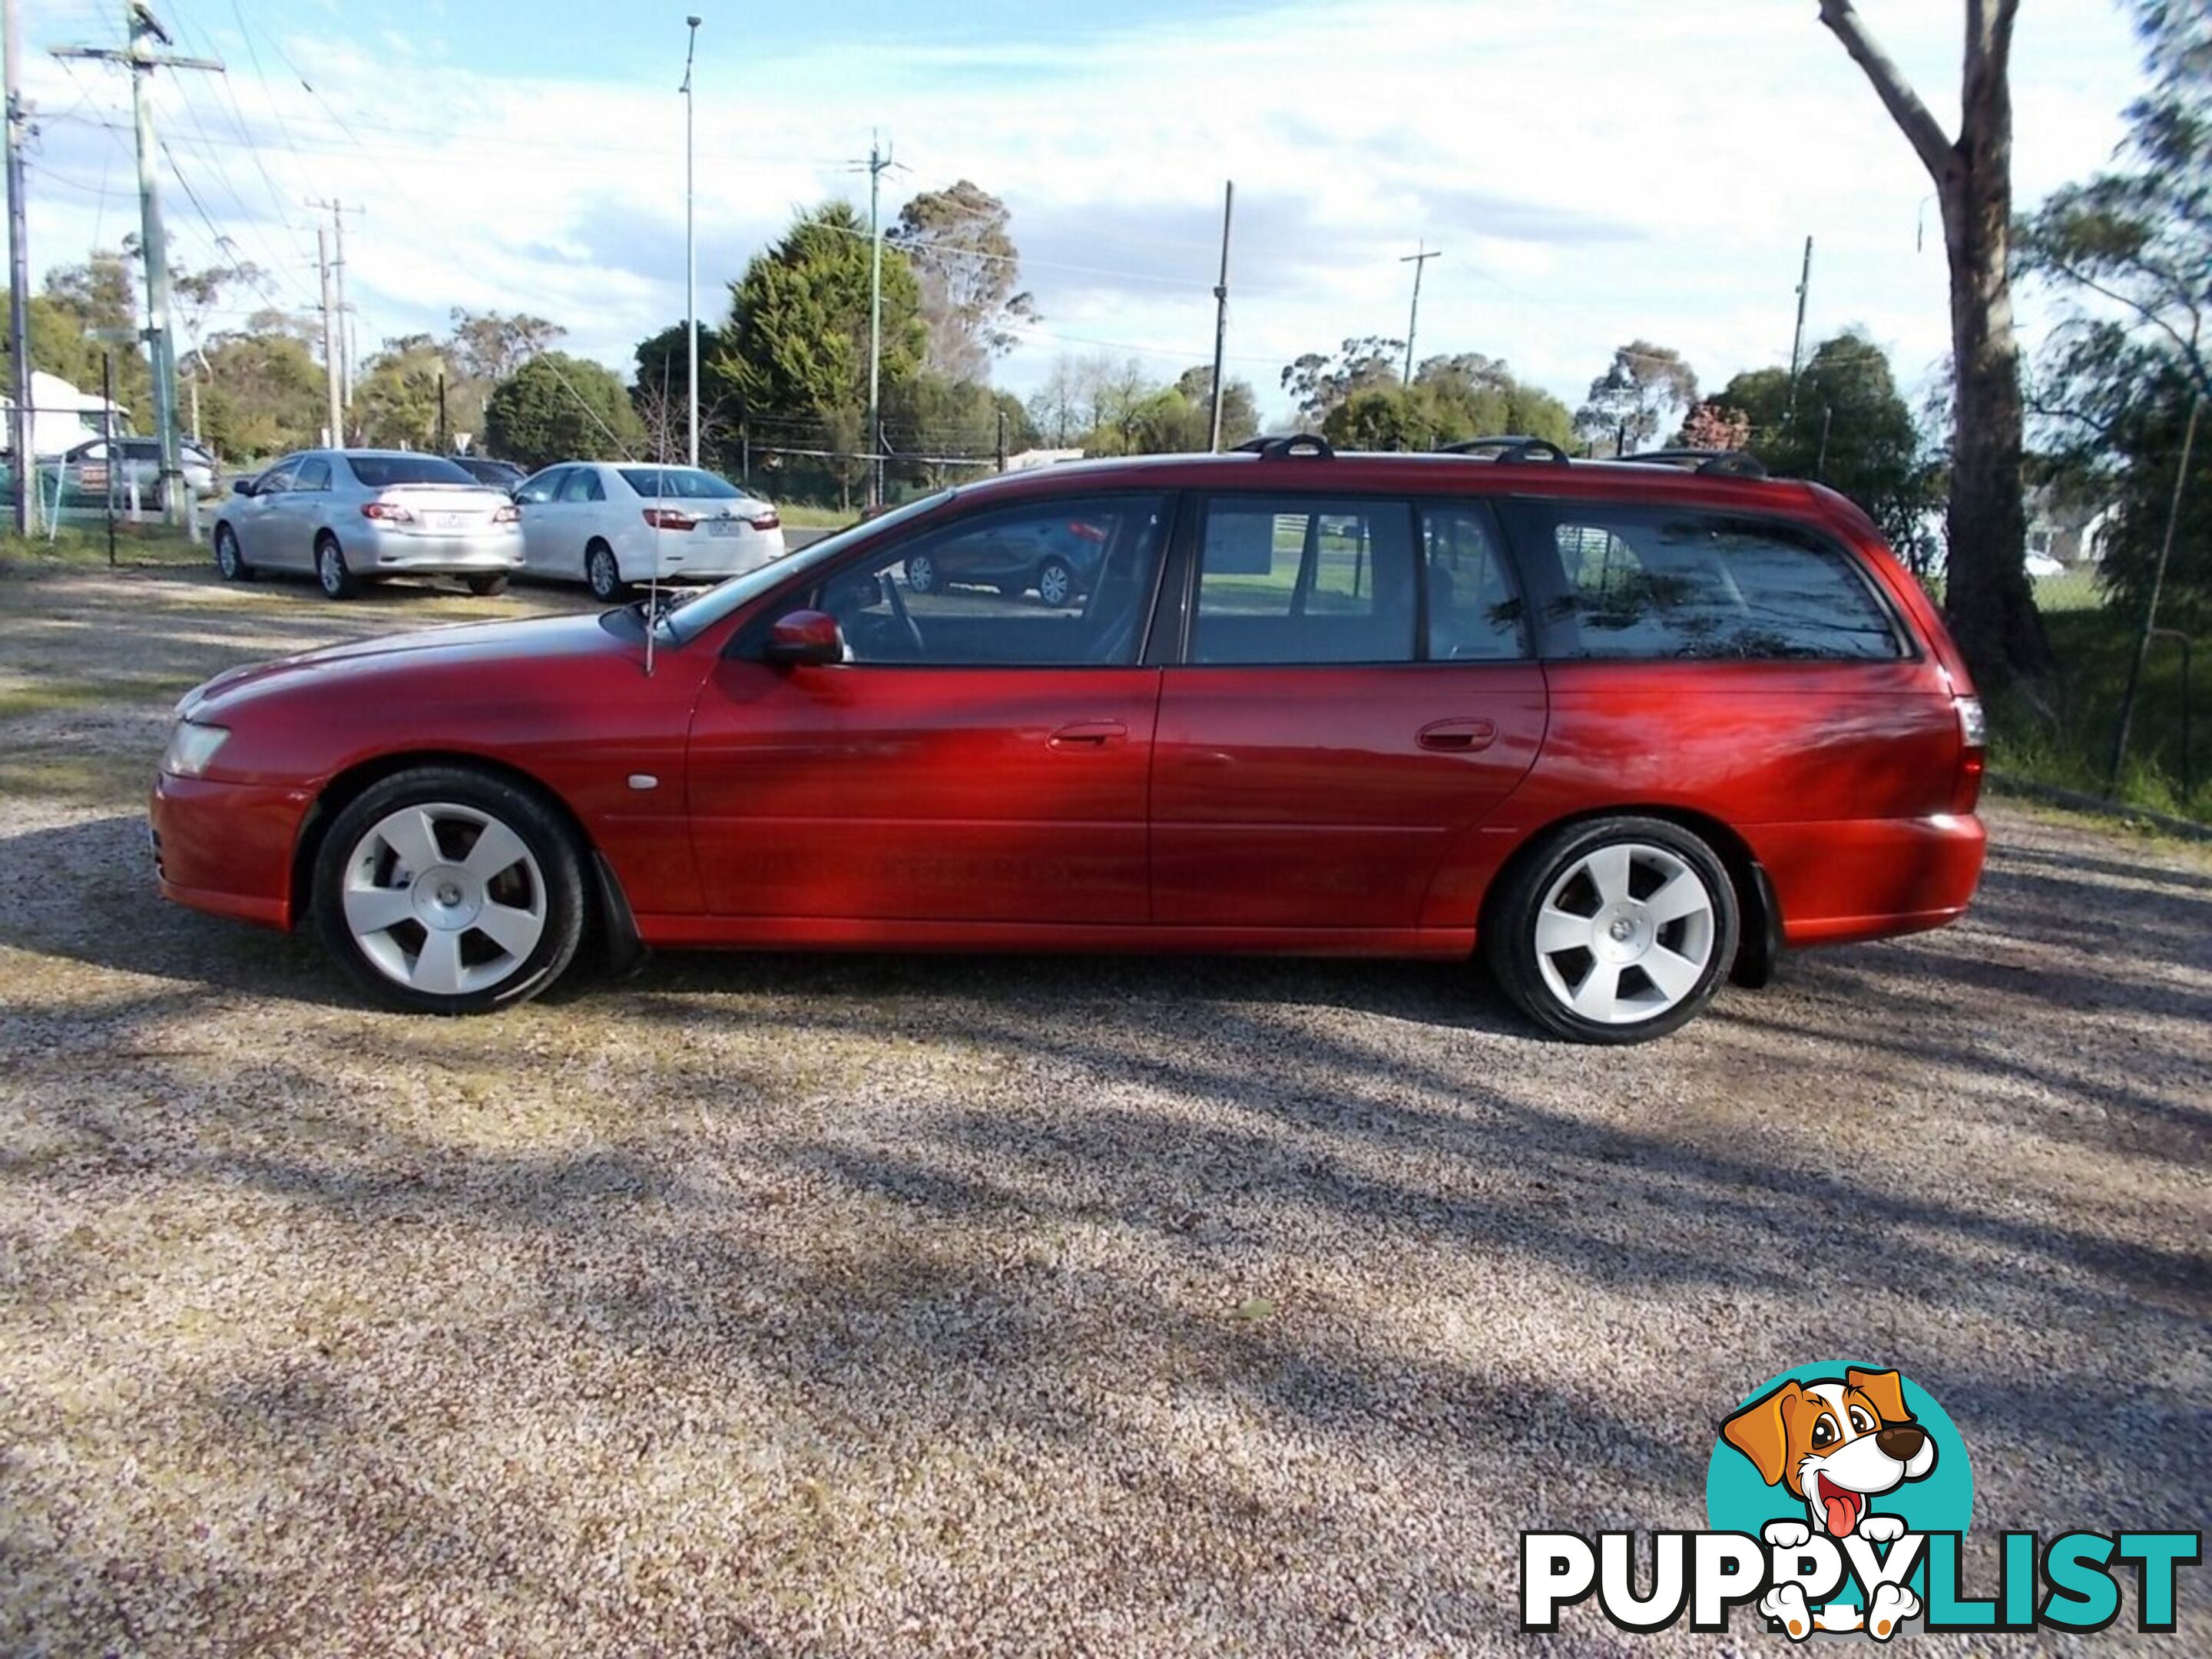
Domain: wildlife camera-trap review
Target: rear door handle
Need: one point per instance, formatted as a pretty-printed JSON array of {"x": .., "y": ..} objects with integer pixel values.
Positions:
[
  {"x": 1088, "y": 734},
  {"x": 1460, "y": 737}
]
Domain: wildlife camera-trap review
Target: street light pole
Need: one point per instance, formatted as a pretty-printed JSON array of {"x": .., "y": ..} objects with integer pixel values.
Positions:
[{"x": 691, "y": 247}]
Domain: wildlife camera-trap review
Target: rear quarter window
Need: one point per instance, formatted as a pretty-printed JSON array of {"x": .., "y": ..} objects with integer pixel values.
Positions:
[{"x": 1647, "y": 584}]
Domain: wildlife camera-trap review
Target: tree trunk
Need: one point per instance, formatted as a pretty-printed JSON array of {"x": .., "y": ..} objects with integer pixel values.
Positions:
[{"x": 1987, "y": 600}]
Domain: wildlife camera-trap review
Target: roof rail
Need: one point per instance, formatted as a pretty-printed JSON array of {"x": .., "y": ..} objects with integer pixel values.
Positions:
[
  {"x": 1509, "y": 449},
  {"x": 1284, "y": 449},
  {"x": 1728, "y": 462}
]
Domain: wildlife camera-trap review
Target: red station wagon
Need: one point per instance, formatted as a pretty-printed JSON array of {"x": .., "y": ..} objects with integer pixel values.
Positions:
[{"x": 1622, "y": 728}]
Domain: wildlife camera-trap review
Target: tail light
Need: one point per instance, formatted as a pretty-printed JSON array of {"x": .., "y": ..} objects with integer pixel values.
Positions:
[
  {"x": 1089, "y": 532},
  {"x": 767, "y": 520},
  {"x": 668, "y": 518},
  {"x": 509, "y": 514},
  {"x": 1973, "y": 743},
  {"x": 386, "y": 512}
]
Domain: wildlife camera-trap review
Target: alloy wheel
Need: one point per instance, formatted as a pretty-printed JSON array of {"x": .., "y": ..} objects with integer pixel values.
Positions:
[
  {"x": 1624, "y": 933},
  {"x": 444, "y": 899}
]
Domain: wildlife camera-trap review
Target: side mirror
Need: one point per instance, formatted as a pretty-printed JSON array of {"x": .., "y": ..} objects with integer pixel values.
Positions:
[
  {"x": 241, "y": 486},
  {"x": 805, "y": 639}
]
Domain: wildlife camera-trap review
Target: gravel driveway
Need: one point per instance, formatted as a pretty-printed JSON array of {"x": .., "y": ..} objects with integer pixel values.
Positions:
[{"x": 906, "y": 1305}]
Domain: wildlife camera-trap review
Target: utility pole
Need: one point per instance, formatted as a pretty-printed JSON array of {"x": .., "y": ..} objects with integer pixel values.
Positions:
[
  {"x": 690, "y": 248},
  {"x": 1797, "y": 339},
  {"x": 347, "y": 366},
  {"x": 142, "y": 60},
  {"x": 19, "y": 285},
  {"x": 1221, "y": 315},
  {"x": 337, "y": 438},
  {"x": 879, "y": 159},
  {"x": 1413, "y": 321}
]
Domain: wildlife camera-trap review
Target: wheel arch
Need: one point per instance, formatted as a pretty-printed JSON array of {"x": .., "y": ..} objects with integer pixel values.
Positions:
[
  {"x": 610, "y": 915},
  {"x": 1759, "y": 943}
]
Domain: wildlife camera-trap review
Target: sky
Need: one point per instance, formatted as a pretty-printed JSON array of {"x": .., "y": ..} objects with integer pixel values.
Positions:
[{"x": 1595, "y": 171}]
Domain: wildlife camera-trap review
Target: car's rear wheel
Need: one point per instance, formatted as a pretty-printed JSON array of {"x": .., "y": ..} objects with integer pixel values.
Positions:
[
  {"x": 1616, "y": 930},
  {"x": 444, "y": 890},
  {"x": 331, "y": 571},
  {"x": 1055, "y": 583},
  {"x": 228, "y": 559},
  {"x": 604, "y": 574},
  {"x": 484, "y": 586},
  {"x": 920, "y": 573}
]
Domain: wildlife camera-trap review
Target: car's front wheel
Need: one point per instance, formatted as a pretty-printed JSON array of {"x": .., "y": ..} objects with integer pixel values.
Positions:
[
  {"x": 1615, "y": 930},
  {"x": 1055, "y": 583},
  {"x": 604, "y": 574},
  {"x": 444, "y": 890},
  {"x": 229, "y": 561},
  {"x": 920, "y": 573}
]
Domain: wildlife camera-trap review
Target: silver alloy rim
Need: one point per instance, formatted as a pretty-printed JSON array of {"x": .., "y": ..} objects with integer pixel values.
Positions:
[
  {"x": 921, "y": 572},
  {"x": 1052, "y": 585},
  {"x": 444, "y": 899},
  {"x": 226, "y": 552},
  {"x": 604, "y": 576},
  {"x": 1624, "y": 933},
  {"x": 328, "y": 567}
]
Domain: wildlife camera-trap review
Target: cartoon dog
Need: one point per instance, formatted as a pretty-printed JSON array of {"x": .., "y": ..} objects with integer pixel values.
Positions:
[{"x": 1835, "y": 1445}]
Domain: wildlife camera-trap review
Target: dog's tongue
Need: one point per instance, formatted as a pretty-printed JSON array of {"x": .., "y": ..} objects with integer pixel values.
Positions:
[{"x": 1842, "y": 1510}]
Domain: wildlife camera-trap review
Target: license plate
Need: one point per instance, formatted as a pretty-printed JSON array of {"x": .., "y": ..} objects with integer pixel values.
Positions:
[
  {"x": 446, "y": 520},
  {"x": 721, "y": 526}
]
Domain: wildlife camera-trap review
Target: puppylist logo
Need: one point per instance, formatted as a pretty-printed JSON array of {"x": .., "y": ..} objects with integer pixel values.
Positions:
[{"x": 1837, "y": 1495}]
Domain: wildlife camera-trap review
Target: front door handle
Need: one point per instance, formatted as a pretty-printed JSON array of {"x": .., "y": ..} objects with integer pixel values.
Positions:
[
  {"x": 1088, "y": 734},
  {"x": 1460, "y": 737}
]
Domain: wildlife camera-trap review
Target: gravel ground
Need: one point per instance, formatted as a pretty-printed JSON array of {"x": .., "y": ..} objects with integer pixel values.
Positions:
[{"x": 893, "y": 1305}]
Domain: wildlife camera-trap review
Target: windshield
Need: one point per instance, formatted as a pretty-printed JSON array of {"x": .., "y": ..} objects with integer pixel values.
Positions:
[
  {"x": 682, "y": 483},
  {"x": 690, "y": 619},
  {"x": 382, "y": 471}
]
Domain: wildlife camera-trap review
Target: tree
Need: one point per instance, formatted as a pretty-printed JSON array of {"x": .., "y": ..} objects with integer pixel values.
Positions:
[
  {"x": 395, "y": 403},
  {"x": 1472, "y": 396},
  {"x": 264, "y": 391},
  {"x": 796, "y": 347},
  {"x": 1318, "y": 382},
  {"x": 1714, "y": 425},
  {"x": 1986, "y": 598},
  {"x": 662, "y": 392},
  {"x": 490, "y": 346},
  {"x": 1240, "y": 406},
  {"x": 969, "y": 273},
  {"x": 2127, "y": 254},
  {"x": 1644, "y": 390},
  {"x": 555, "y": 407},
  {"x": 1845, "y": 425},
  {"x": 1385, "y": 416}
]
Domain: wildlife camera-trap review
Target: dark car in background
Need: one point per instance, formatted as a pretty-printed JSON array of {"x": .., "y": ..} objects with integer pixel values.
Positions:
[
  {"x": 1056, "y": 561},
  {"x": 500, "y": 475}
]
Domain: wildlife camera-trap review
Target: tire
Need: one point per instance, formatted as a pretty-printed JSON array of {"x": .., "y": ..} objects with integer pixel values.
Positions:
[
  {"x": 921, "y": 573},
  {"x": 414, "y": 938},
  {"x": 604, "y": 574},
  {"x": 485, "y": 587},
  {"x": 230, "y": 562},
  {"x": 331, "y": 571},
  {"x": 1055, "y": 583},
  {"x": 1591, "y": 936}
]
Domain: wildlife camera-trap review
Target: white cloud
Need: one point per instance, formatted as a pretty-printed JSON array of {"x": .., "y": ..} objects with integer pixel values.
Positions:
[{"x": 1594, "y": 169}]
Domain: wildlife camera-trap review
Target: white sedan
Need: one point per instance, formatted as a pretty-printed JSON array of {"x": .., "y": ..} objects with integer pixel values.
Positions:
[{"x": 614, "y": 523}]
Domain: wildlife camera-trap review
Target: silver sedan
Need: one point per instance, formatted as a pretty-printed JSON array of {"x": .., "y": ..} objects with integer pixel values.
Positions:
[{"x": 349, "y": 516}]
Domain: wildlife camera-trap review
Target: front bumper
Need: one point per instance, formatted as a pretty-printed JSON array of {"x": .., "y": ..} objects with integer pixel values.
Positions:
[{"x": 227, "y": 847}]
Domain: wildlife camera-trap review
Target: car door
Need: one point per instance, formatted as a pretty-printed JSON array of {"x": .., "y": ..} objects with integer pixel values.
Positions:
[
  {"x": 974, "y": 760},
  {"x": 535, "y": 498},
  {"x": 256, "y": 519},
  {"x": 1332, "y": 740},
  {"x": 583, "y": 519}
]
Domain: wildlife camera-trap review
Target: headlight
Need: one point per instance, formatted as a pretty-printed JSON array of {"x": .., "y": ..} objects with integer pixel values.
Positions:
[{"x": 192, "y": 747}]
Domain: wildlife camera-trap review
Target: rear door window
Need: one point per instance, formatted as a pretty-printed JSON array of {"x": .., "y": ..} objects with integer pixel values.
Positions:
[
  {"x": 583, "y": 485},
  {"x": 312, "y": 475},
  {"x": 1652, "y": 584},
  {"x": 1293, "y": 580},
  {"x": 1474, "y": 610},
  {"x": 543, "y": 486}
]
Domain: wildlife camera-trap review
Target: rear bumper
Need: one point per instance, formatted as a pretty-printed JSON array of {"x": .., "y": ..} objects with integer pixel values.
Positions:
[
  {"x": 227, "y": 847},
  {"x": 698, "y": 556},
  {"x": 1870, "y": 878},
  {"x": 383, "y": 550}
]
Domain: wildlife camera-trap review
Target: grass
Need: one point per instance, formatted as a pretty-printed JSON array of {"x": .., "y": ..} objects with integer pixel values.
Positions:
[
  {"x": 798, "y": 516},
  {"x": 78, "y": 548},
  {"x": 2060, "y": 731}
]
